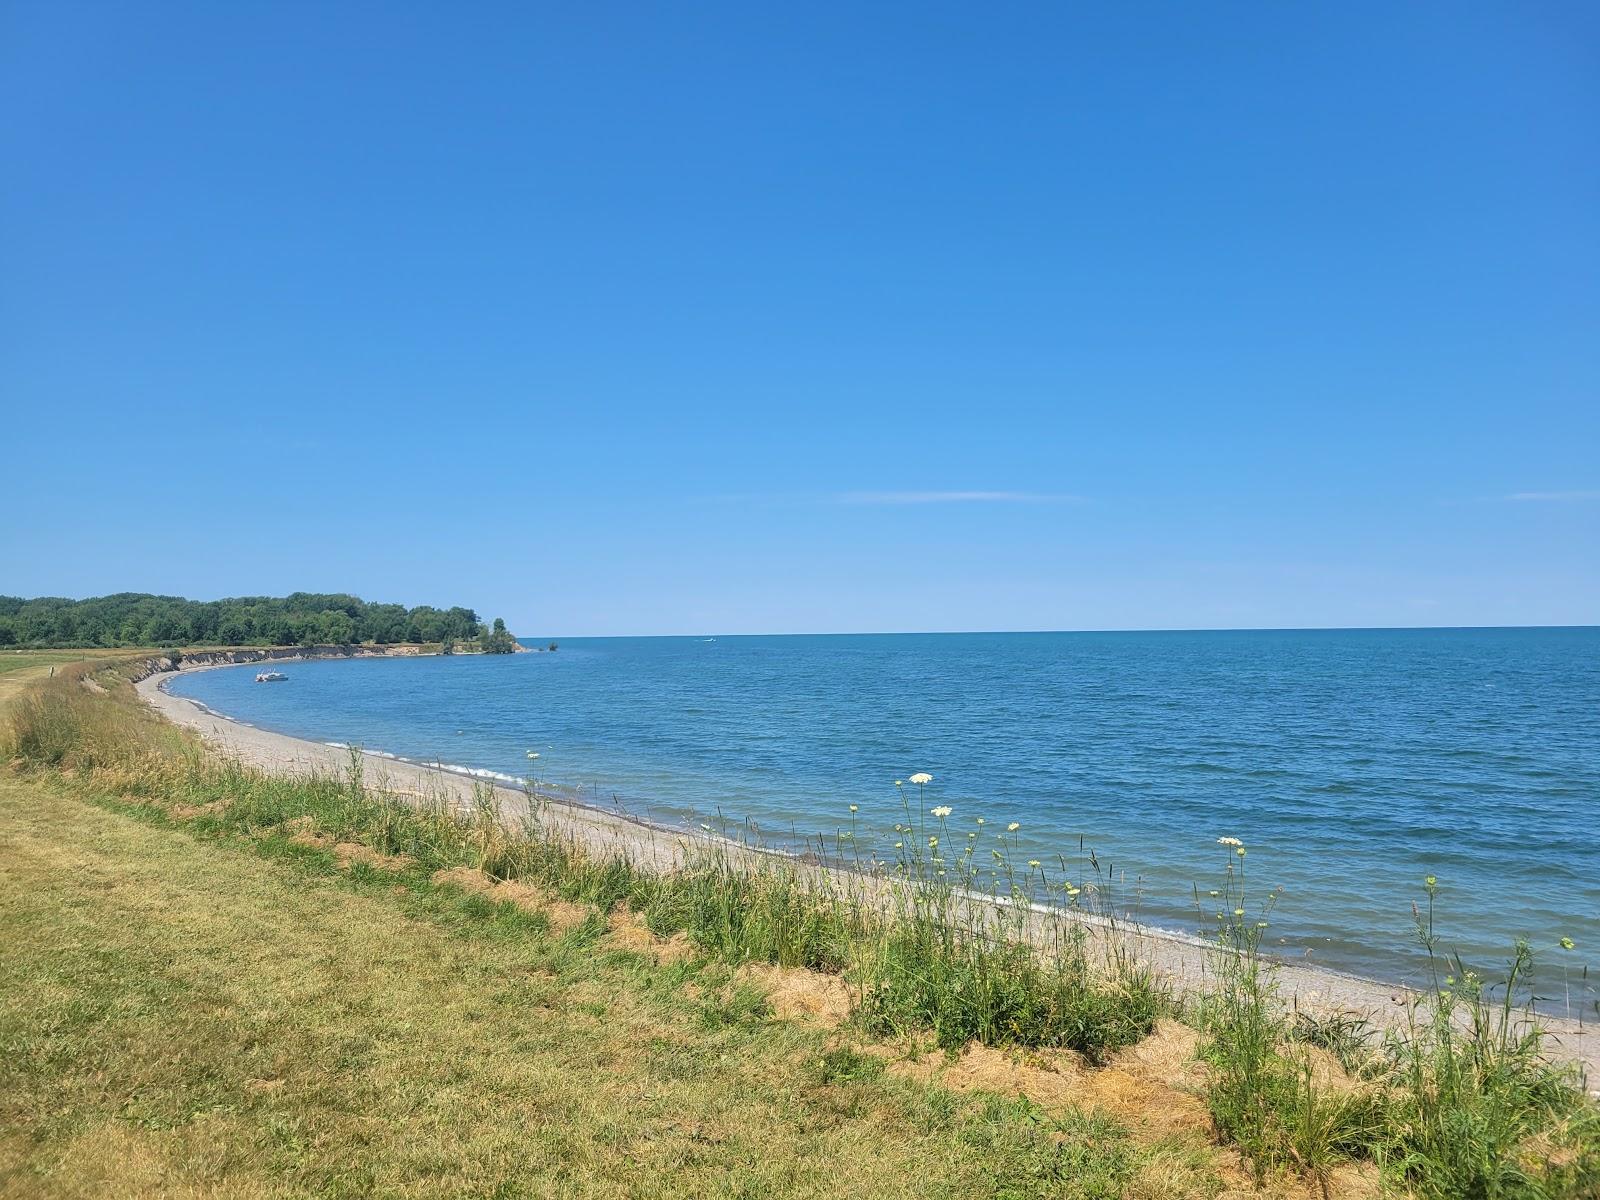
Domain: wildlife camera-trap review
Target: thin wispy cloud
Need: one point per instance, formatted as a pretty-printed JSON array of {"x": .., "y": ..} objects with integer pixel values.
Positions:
[
  {"x": 955, "y": 498},
  {"x": 1555, "y": 497}
]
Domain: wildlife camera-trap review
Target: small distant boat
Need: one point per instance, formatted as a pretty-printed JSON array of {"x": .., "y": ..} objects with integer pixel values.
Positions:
[{"x": 271, "y": 677}]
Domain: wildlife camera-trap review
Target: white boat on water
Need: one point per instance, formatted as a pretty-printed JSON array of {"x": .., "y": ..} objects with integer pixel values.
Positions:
[{"x": 271, "y": 677}]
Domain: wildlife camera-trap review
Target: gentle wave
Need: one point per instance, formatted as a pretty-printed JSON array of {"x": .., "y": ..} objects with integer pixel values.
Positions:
[{"x": 476, "y": 772}]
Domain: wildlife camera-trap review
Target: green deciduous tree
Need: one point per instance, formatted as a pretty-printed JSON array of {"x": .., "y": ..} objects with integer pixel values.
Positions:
[
  {"x": 498, "y": 640},
  {"x": 305, "y": 618}
]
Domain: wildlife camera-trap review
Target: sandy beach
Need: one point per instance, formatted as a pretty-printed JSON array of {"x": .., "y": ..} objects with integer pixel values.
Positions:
[{"x": 1182, "y": 961}]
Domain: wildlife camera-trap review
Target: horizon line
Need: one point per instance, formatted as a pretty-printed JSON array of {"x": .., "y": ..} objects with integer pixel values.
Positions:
[{"x": 1034, "y": 632}]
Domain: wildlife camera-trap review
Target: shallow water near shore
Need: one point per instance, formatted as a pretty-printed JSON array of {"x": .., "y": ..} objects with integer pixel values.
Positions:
[{"x": 1352, "y": 763}]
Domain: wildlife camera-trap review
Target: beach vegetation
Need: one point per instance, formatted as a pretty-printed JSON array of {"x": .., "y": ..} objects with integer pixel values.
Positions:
[{"x": 1462, "y": 1100}]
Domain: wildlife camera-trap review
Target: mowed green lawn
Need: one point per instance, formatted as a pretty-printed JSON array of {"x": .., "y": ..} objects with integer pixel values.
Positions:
[
  {"x": 18, "y": 668},
  {"x": 17, "y": 660},
  {"x": 38, "y": 662},
  {"x": 187, "y": 1016}
]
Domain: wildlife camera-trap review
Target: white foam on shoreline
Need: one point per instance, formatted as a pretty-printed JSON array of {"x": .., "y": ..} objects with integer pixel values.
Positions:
[
  {"x": 475, "y": 772},
  {"x": 389, "y": 754}
]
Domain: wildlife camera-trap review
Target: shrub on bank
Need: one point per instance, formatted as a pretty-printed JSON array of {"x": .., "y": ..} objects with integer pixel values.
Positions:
[{"x": 1462, "y": 1103}]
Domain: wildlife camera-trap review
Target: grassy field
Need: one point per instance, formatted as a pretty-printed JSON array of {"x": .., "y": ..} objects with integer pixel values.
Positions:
[
  {"x": 218, "y": 982},
  {"x": 20, "y": 667},
  {"x": 184, "y": 1015}
]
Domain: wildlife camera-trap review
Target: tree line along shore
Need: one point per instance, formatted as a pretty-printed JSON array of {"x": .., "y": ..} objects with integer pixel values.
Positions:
[{"x": 131, "y": 619}]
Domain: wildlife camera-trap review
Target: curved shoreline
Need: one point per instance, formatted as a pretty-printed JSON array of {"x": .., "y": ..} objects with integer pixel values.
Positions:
[{"x": 1181, "y": 959}]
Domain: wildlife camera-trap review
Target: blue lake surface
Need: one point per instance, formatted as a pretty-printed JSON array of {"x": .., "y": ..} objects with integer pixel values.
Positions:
[{"x": 1352, "y": 763}]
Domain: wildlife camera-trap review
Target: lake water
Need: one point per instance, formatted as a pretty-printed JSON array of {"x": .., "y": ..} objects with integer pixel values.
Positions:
[{"x": 1352, "y": 763}]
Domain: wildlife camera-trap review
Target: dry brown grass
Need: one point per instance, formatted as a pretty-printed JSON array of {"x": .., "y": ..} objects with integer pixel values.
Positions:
[
  {"x": 800, "y": 995},
  {"x": 1053, "y": 1080},
  {"x": 628, "y": 931},
  {"x": 562, "y": 914}
]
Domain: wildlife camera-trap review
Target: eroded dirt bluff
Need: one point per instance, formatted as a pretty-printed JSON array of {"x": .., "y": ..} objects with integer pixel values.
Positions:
[{"x": 160, "y": 664}]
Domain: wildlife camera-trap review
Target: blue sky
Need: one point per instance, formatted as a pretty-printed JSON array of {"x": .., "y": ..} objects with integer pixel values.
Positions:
[{"x": 629, "y": 319}]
